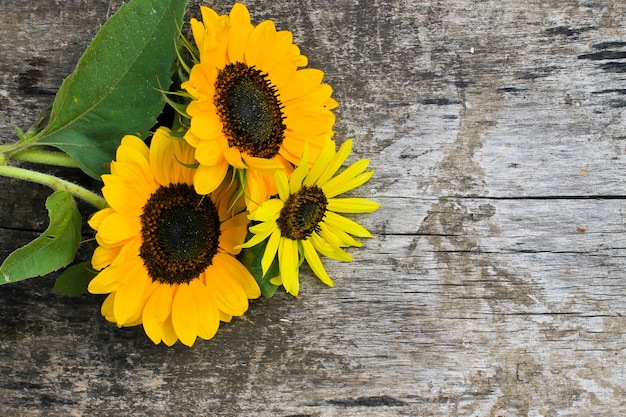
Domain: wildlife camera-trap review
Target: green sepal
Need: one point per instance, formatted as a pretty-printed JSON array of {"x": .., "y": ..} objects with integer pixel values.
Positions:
[
  {"x": 75, "y": 279},
  {"x": 251, "y": 259},
  {"x": 54, "y": 249}
]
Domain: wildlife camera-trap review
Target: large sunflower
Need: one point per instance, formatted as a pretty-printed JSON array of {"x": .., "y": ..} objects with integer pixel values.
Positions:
[
  {"x": 304, "y": 220},
  {"x": 165, "y": 252},
  {"x": 252, "y": 107}
]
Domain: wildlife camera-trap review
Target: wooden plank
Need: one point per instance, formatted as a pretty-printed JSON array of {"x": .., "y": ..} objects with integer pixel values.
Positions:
[{"x": 494, "y": 283}]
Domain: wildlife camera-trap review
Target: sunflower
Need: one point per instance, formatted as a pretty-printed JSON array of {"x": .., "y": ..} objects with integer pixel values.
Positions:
[
  {"x": 303, "y": 220},
  {"x": 252, "y": 107},
  {"x": 166, "y": 253}
]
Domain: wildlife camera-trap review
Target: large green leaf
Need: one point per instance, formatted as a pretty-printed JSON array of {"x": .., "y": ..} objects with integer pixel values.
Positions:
[
  {"x": 114, "y": 89},
  {"x": 54, "y": 249}
]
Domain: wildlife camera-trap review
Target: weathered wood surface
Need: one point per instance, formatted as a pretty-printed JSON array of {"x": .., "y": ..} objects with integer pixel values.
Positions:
[{"x": 495, "y": 283}]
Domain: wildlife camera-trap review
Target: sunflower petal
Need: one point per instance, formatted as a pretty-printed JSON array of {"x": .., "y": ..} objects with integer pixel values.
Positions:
[
  {"x": 118, "y": 228},
  {"x": 314, "y": 261},
  {"x": 107, "y": 308},
  {"x": 157, "y": 309},
  {"x": 270, "y": 251},
  {"x": 169, "y": 334},
  {"x": 168, "y": 157},
  {"x": 344, "y": 183},
  {"x": 282, "y": 185},
  {"x": 208, "y": 315},
  {"x": 288, "y": 265},
  {"x": 240, "y": 31},
  {"x": 240, "y": 274},
  {"x": 233, "y": 233},
  {"x": 185, "y": 315},
  {"x": 208, "y": 178},
  {"x": 129, "y": 297},
  {"x": 352, "y": 205},
  {"x": 336, "y": 162}
]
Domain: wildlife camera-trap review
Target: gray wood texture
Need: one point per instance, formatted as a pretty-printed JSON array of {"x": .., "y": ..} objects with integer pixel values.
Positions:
[{"x": 494, "y": 284}]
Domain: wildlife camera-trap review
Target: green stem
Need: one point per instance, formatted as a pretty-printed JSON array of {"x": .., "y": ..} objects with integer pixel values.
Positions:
[
  {"x": 55, "y": 183},
  {"x": 45, "y": 157}
]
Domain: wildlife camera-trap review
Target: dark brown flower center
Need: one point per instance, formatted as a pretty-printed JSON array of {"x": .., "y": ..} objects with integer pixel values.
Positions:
[
  {"x": 180, "y": 233},
  {"x": 250, "y": 111},
  {"x": 302, "y": 213}
]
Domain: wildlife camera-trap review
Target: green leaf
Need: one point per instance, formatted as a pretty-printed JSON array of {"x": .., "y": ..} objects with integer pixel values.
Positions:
[
  {"x": 54, "y": 249},
  {"x": 75, "y": 279},
  {"x": 114, "y": 89},
  {"x": 251, "y": 259}
]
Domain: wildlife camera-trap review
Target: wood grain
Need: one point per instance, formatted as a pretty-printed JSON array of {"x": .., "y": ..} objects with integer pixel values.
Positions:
[{"x": 494, "y": 284}]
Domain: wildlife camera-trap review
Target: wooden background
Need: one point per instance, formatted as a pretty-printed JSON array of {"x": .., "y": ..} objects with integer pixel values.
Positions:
[{"x": 494, "y": 284}]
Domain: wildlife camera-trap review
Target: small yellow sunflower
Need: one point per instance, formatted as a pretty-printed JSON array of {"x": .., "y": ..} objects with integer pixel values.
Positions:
[
  {"x": 304, "y": 218},
  {"x": 166, "y": 253},
  {"x": 252, "y": 107}
]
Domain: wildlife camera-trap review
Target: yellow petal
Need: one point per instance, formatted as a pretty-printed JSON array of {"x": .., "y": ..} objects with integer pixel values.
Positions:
[
  {"x": 103, "y": 256},
  {"x": 156, "y": 311},
  {"x": 314, "y": 261},
  {"x": 233, "y": 233},
  {"x": 259, "y": 42},
  {"x": 337, "y": 237},
  {"x": 288, "y": 265},
  {"x": 257, "y": 238},
  {"x": 240, "y": 31},
  {"x": 352, "y": 205},
  {"x": 168, "y": 156},
  {"x": 328, "y": 250},
  {"x": 262, "y": 165},
  {"x": 351, "y": 178},
  {"x": 207, "y": 179},
  {"x": 335, "y": 162},
  {"x": 185, "y": 315},
  {"x": 107, "y": 308},
  {"x": 233, "y": 156},
  {"x": 125, "y": 199},
  {"x": 282, "y": 185},
  {"x": 239, "y": 273},
  {"x": 129, "y": 297},
  {"x": 118, "y": 228},
  {"x": 108, "y": 280},
  {"x": 270, "y": 251},
  {"x": 130, "y": 148},
  {"x": 268, "y": 211},
  {"x": 96, "y": 220},
  {"x": 208, "y": 314},
  {"x": 324, "y": 159},
  {"x": 211, "y": 152},
  {"x": 169, "y": 334},
  {"x": 133, "y": 176},
  {"x": 227, "y": 293},
  {"x": 298, "y": 175},
  {"x": 303, "y": 82},
  {"x": 342, "y": 223}
]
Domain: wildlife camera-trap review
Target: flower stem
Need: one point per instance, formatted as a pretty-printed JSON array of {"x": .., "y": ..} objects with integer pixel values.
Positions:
[
  {"x": 55, "y": 183},
  {"x": 45, "y": 157}
]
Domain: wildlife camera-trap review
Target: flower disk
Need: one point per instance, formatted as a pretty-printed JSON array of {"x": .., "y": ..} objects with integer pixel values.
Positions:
[
  {"x": 180, "y": 234},
  {"x": 250, "y": 110},
  {"x": 302, "y": 213}
]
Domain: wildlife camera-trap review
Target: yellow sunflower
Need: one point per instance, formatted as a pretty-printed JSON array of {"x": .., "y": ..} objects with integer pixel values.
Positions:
[
  {"x": 166, "y": 253},
  {"x": 252, "y": 108},
  {"x": 304, "y": 220}
]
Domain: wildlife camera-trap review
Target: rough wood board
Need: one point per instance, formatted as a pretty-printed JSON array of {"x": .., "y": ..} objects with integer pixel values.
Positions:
[{"x": 494, "y": 284}]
